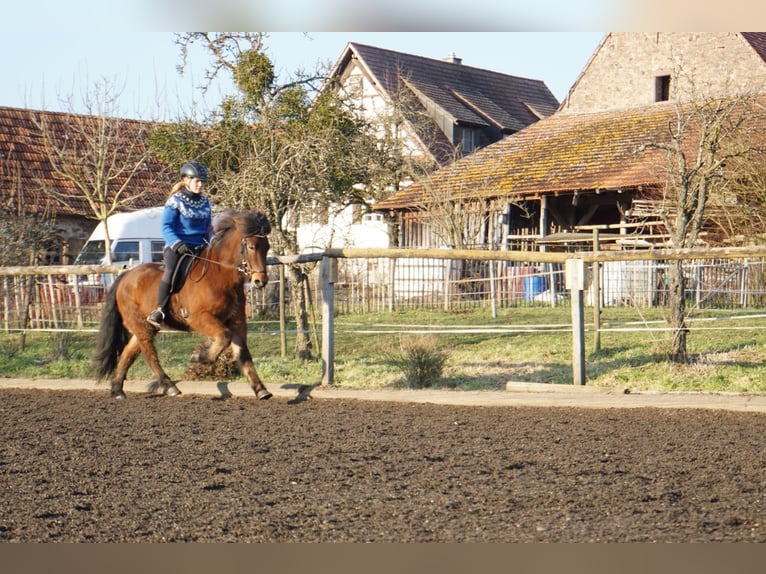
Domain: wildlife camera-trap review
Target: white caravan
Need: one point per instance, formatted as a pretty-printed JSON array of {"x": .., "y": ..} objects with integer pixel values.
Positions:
[{"x": 136, "y": 237}]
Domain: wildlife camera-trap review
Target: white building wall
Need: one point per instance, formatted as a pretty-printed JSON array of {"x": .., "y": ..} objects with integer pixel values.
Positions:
[{"x": 372, "y": 232}]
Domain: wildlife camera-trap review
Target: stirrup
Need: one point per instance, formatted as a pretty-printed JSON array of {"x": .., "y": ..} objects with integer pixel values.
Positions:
[{"x": 156, "y": 317}]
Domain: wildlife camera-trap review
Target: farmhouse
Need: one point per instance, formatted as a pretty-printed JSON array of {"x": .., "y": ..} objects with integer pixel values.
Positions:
[
  {"x": 434, "y": 111},
  {"x": 447, "y": 109},
  {"x": 34, "y": 147},
  {"x": 592, "y": 164}
]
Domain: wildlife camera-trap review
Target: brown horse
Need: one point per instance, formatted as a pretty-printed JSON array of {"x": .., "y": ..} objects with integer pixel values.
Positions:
[{"x": 211, "y": 302}]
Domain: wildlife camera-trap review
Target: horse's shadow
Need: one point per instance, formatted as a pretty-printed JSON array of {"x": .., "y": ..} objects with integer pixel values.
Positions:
[{"x": 303, "y": 390}]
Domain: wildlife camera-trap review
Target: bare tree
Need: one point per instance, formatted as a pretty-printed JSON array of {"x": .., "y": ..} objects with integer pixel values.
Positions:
[
  {"x": 739, "y": 213},
  {"x": 703, "y": 141},
  {"x": 26, "y": 223},
  {"x": 100, "y": 160},
  {"x": 282, "y": 146}
]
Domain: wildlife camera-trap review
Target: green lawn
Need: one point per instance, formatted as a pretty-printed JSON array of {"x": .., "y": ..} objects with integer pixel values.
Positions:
[{"x": 530, "y": 344}]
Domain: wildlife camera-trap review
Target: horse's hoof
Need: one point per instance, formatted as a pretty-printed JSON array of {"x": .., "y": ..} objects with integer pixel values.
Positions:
[
  {"x": 172, "y": 391},
  {"x": 119, "y": 396},
  {"x": 263, "y": 395}
]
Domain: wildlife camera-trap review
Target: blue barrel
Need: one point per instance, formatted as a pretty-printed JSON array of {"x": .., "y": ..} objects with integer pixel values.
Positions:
[{"x": 533, "y": 286}]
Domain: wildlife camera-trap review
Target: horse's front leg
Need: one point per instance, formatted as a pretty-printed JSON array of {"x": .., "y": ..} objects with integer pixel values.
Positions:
[
  {"x": 209, "y": 351},
  {"x": 220, "y": 338},
  {"x": 245, "y": 361}
]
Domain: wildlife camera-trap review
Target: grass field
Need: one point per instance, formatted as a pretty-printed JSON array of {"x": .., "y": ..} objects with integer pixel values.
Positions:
[{"x": 527, "y": 344}]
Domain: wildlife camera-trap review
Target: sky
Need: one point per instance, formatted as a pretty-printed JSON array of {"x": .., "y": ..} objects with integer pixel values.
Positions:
[
  {"x": 54, "y": 52},
  {"x": 141, "y": 67}
]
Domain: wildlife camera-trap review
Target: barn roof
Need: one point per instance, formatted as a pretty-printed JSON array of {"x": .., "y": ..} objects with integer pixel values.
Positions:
[
  {"x": 565, "y": 153},
  {"x": 24, "y": 164},
  {"x": 758, "y": 42}
]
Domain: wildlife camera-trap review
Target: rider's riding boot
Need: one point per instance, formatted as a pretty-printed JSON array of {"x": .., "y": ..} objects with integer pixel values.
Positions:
[{"x": 157, "y": 316}]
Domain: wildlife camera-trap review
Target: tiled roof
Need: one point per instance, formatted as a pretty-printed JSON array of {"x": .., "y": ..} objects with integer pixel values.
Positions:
[
  {"x": 460, "y": 89},
  {"x": 470, "y": 96},
  {"x": 758, "y": 41},
  {"x": 564, "y": 153},
  {"x": 23, "y": 161}
]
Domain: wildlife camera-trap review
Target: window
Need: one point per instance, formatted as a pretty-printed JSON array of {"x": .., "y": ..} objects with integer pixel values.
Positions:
[
  {"x": 125, "y": 251},
  {"x": 355, "y": 87},
  {"x": 157, "y": 251},
  {"x": 661, "y": 88},
  {"x": 466, "y": 139},
  {"x": 92, "y": 253}
]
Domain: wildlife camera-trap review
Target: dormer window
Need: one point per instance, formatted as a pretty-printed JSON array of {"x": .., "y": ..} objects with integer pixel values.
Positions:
[
  {"x": 661, "y": 88},
  {"x": 466, "y": 139}
]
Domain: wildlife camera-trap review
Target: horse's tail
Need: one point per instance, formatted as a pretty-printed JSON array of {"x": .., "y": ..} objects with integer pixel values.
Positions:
[{"x": 112, "y": 335}]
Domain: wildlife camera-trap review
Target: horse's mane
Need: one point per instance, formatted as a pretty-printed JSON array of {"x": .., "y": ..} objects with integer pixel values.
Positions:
[
  {"x": 254, "y": 223},
  {"x": 249, "y": 223}
]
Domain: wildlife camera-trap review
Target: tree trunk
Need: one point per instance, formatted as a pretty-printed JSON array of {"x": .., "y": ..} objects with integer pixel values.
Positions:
[
  {"x": 298, "y": 296},
  {"x": 677, "y": 308}
]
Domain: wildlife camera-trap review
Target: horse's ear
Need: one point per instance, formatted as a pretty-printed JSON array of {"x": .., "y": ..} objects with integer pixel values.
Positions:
[{"x": 264, "y": 222}]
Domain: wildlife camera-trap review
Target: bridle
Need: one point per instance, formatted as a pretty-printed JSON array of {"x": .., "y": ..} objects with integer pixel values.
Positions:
[{"x": 243, "y": 267}]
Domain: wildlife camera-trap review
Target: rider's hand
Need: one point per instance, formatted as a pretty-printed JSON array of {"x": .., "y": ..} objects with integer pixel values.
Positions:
[{"x": 184, "y": 249}]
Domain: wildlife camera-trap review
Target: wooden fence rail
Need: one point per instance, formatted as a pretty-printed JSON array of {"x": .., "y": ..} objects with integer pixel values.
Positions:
[{"x": 576, "y": 267}]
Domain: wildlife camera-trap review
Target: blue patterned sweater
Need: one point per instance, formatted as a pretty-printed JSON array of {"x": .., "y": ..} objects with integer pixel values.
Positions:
[{"x": 186, "y": 218}]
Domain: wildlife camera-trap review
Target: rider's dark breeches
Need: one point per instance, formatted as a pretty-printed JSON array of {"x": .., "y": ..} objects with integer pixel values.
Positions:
[{"x": 171, "y": 260}]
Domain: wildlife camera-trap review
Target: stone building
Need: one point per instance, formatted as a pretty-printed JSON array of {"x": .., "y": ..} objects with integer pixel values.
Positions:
[{"x": 634, "y": 69}]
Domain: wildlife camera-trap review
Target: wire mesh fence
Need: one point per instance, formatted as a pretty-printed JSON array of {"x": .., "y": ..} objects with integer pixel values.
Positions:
[{"x": 40, "y": 298}]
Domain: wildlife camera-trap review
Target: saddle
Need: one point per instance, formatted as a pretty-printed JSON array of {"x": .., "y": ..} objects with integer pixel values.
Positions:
[{"x": 181, "y": 272}]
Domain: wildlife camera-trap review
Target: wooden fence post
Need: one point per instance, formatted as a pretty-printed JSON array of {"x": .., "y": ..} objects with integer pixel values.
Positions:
[
  {"x": 328, "y": 273},
  {"x": 596, "y": 290},
  {"x": 282, "y": 314},
  {"x": 575, "y": 282}
]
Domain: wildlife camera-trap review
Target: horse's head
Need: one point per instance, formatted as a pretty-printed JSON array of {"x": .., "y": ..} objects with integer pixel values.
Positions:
[
  {"x": 252, "y": 228},
  {"x": 256, "y": 229},
  {"x": 256, "y": 247}
]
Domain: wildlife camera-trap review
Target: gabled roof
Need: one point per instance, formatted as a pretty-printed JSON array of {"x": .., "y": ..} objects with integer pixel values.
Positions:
[
  {"x": 758, "y": 41},
  {"x": 470, "y": 96},
  {"x": 565, "y": 153},
  {"x": 23, "y": 162}
]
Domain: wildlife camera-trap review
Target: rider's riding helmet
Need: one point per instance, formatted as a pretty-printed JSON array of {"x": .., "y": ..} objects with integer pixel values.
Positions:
[{"x": 194, "y": 169}]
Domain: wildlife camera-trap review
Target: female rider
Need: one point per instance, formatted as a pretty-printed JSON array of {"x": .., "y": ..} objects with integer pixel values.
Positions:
[{"x": 186, "y": 228}]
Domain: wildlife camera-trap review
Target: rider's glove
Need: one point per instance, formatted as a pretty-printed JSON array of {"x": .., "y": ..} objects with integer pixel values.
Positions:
[{"x": 184, "y": 249}]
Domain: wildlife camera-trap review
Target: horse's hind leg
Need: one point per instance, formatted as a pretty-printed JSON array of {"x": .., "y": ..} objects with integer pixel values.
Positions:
[
  {"x": 150, "y": 354},
  {"x": 128, "y": 355},
  {"x": 135, "y": 346}
]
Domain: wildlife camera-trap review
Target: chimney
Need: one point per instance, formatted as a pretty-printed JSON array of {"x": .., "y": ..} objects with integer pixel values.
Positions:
[{"x": 453, "y": 59}]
